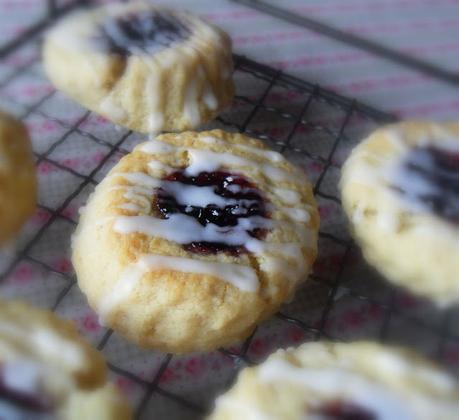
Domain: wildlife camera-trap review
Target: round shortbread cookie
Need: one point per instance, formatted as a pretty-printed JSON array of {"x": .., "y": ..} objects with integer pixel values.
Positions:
[
  {"x": 47, "y": 371},
  {"x": 192, "y": 239},
  {"x": 400, "y": 190},
  {"x": 145, "y": 67},
  {"x": 326, "y": 381},
  {"x": 18, "y": 185}
]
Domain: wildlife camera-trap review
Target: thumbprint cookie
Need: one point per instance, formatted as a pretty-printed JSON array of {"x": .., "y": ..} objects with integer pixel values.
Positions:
[
  {"x": 18, "y": 184},
  {"x": 400, "y": 190},
  {"x": 192, "y": 239},
  {"x": 47, "y": 371},
  {"x": 145, "y": 67},
  {"x": 352, "y": 381}
]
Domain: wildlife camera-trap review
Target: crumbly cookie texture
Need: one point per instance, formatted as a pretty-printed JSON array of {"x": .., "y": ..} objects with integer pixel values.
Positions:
[
  {"x": 18, "y": 185},
  {"x": 361, "y": 380},
  {"x": 47, "y": 370},
  {"x": 399, "y": 190},
  {"x": 194, "y": 238},
  {"x": 145, "y": 67}
]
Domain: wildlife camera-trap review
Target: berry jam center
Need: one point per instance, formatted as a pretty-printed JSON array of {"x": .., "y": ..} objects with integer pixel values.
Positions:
[
  {"x": 32, "y": 404},
  {"x": 429, "y": 180},
  {"x": 341, "y": 410},
  {"x": 142, "y": 32},
  {"x": 243, "y": 200}
]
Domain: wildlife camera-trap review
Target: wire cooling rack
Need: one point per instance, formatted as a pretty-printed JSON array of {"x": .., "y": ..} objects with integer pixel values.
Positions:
[{"x": 343, "y": 299}]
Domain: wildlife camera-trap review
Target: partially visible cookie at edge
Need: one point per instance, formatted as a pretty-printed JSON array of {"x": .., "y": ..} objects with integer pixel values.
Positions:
[
  {"x": 47, "y": 370},
  {"x": 400, "y": 191},
  {"x": 193, "y": 239},
  {"x": 18, "y": 184},
  {"x": 142, "y": 66},
  {"x": 361, "y": 380}
]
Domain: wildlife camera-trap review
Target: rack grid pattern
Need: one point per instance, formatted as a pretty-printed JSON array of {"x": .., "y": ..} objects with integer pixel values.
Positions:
[{"x": 315, "y": 128}]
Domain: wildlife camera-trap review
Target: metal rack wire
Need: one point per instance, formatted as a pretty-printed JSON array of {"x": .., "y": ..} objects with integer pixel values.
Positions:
[{"x": 342, "y": 300}]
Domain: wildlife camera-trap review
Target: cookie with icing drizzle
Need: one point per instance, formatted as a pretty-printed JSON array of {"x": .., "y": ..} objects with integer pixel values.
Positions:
[
  {"x": 18, "y": 184},
  {"x": 400, "y": 190},
  {"x": 194, "y": 238},
  {"x": 48, "y": 371},
  {"x": 144, "y": 67},
  {"x": 331, "y": 381}
]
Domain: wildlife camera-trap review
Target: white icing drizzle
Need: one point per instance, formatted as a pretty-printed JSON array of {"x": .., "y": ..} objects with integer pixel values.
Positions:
[
  {"x": 268, "y": 154},
  {"x": 296, "y": 214},
  {"x": 108, "y": 107},
  {"x": 290, "y": 197},
  {"x": 22, "y": 376},
  {"x": 198, "y": 195},
  {"x": 288, "y": 258},
  {"x": 141, "y": 199},
  {"x": 209, "y": 161},
  {"x": 46, "y": 342},
  {"x": 235, "y": 406},
  {"x": 191, "y": 109},
  {"x": 156, "y": 146},
  {"x": 190, "y": 104},
  {"x": 241, "y": 276},
  {"x": 130, "y": 207},
  {"x": 53, "y": 345},
  {"x": 153, "y": 96},
  {"x": 184, "y": 194},
  {"x": 209, "y": 97},
  {"x": 184, "y": 229},
  {"x": 154, "y": 165},
  {"x": 338, "y": 383},
  {"x": 140, "y": 179},
  {"x": 28, "y": 377}
]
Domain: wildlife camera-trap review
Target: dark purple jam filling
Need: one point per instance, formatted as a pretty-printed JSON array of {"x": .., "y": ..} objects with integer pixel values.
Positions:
[
  {"x": 342, "y": 410},
  {"x": 429, "y": 179},
  {"x": 28, "y": 405},
  {"x": 143, "y": 32},
  {"x": 226, "y": 185}
]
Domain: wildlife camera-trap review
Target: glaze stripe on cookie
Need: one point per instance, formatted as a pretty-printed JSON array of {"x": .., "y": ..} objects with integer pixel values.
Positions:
[
  {"x": 243, "y": 277},
  {"x": 205, "y": 160},
  {"x": 46, "y": 342}
]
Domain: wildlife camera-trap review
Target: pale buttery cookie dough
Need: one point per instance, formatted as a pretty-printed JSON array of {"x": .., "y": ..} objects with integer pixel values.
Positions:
[
  {"x": 354, "y": 381},
  {"x": 194, "y": 238},
  {"x": 400, "y": 190},
  {"x": 18, "y": 185},
  {"x": 145, "y": 67},
  {"x": 47, "y": 371}
]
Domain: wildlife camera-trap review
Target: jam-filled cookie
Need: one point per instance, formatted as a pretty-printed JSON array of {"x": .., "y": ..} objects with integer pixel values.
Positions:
[
  {"x": 145, "y": 67},
  {"x": 355, "y": 381},
  {"x": 194, "y": 238},
  {"x": 400, "y": 190},
  {"x": 18, "y": 185},
  {"x": 47, "y": 371}
]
